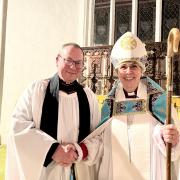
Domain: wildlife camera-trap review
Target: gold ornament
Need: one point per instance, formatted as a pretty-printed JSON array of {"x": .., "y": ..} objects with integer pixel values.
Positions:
[{"x": 128, "y": 43}]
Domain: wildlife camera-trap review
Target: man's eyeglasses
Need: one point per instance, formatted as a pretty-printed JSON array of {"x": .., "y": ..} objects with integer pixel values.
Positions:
[{"x": 70, "y": 62}]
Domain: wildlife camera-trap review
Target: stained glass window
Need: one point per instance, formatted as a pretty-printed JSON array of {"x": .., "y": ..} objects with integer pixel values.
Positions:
[
  {"x": 101, "y": 20},
  {"x": 122, "y": 17},
  {"x": 146, "y": 20},
  {"x": 171, "y": 16}
]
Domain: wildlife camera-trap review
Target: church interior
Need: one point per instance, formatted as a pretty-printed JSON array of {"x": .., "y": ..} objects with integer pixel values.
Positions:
[
  {"x": 150, "y": 20},
  {"x": 98, "y": 72}
]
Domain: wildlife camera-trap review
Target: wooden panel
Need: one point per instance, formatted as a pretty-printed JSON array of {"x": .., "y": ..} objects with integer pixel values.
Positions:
[{"x": 99, "y": 74}]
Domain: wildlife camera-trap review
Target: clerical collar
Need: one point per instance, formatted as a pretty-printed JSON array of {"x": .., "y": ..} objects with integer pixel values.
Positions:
[
  {"x": 131, "y": 94},
  {"x": 67, "y": 88}
]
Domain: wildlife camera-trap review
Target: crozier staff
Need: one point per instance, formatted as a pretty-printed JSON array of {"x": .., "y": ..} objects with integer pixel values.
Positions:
[{"x": 172, "y": 47}]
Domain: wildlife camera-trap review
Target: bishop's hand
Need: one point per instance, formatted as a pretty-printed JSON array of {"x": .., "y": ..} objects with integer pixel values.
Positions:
[
  {"x": 170, "y": 134},
  {"x": 65, "y": 155}
]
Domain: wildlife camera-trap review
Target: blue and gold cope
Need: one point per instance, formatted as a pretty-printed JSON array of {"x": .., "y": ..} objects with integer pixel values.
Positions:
[{"x": 155, "y": 103}]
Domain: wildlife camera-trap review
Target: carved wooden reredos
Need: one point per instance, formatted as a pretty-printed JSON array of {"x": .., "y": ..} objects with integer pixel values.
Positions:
[{"x": 99, "y": 74}]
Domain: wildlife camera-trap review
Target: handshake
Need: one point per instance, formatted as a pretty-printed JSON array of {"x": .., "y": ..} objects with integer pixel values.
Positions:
[{"x": 66, "y": 154}]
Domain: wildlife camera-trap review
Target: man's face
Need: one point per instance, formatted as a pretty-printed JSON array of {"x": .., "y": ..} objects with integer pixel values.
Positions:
[
  {"x": 129, "y": 74},
  {"x": 69, "y": 63}
]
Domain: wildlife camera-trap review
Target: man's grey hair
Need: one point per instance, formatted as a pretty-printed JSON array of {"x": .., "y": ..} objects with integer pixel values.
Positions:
[{"x": 75, "y": 45}]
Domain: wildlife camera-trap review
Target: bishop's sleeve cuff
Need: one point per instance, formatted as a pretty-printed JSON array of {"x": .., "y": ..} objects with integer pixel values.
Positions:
[
  {"x": 50, "y": 154},
  {"x": 84, "y": 150}
]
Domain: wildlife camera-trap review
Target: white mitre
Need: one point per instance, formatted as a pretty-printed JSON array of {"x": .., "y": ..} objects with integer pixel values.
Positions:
[{"x": 128, "y": 48}]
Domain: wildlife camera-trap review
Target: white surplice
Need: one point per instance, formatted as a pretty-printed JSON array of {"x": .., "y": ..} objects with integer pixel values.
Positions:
[
  {"x": 133, "y": 146},
  {"x": 28, "y": 145}
]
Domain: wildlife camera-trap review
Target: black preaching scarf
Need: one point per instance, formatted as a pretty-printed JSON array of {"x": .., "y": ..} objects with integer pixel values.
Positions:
[{"x": 49, "y": 117}]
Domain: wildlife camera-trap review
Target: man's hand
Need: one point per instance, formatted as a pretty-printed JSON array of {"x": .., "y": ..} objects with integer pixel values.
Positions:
[
  {"x": 65, "y": 155},
  {"x": 170, "y": 134}
]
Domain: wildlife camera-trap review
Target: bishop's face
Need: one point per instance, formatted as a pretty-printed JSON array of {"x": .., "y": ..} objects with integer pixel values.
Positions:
[{"x": 129, "y": 73}]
